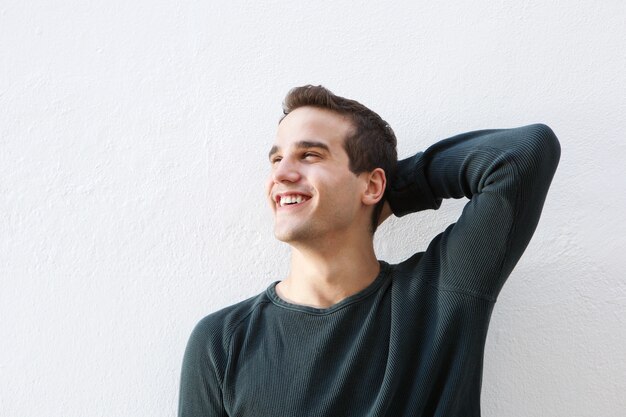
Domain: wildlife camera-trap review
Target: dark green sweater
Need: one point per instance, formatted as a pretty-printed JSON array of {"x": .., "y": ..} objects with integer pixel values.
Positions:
[{"x": 411, "y": 343}]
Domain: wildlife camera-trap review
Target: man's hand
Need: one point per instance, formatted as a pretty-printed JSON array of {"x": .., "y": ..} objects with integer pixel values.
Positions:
[{"x": 384, "y": 213}]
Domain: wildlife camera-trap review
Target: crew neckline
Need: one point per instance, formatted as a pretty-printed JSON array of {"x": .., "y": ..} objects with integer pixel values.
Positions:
[{"x": 372, "y": 287}]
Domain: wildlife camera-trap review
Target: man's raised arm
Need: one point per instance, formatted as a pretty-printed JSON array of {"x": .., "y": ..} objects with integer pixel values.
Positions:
[{"x": 506, "y": 174}]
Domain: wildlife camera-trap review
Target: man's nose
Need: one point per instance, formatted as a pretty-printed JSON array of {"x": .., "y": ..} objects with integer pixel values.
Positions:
[{"x": 286, "y": 170}]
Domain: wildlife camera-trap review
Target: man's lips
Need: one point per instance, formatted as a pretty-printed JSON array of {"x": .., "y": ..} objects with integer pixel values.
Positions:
[
  {"x": 287, "y": 201},
  {"x": 289, "y": 207},
  {"x": 291, "y": 198}
]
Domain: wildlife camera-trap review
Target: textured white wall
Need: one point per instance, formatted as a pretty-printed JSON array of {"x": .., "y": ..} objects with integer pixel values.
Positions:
[{"x": 133, "y": 142}]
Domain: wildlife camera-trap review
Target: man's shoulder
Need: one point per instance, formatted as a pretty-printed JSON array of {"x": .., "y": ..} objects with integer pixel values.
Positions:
[
  {"x": 216, "y": 328},
  {"x": 230, "y": 316}
]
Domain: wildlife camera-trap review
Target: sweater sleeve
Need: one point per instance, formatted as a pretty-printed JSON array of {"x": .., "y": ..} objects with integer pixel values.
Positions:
[
  {"x": 200, "y": 388},
  {"x": 506, "y": 174}
]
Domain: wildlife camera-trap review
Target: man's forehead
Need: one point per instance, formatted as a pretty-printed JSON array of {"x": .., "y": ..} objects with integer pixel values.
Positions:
[{"x": 308, "y": 127}]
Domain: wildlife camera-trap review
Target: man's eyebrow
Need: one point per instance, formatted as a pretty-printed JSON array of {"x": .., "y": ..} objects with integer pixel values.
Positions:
[{"x": 303, "y": 144}]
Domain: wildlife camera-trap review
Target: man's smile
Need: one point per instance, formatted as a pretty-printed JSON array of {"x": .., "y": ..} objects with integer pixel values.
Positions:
[{"x": 290, "y": 199}]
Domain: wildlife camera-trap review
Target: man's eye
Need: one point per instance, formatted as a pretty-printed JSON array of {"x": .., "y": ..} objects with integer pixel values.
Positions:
[
  {"x": 274, "y": 160},
  {"x": 310, "y": 155}
]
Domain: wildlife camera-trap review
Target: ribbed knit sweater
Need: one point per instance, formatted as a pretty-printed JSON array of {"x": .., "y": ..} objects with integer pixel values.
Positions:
[{"x": 409, "y": 344}]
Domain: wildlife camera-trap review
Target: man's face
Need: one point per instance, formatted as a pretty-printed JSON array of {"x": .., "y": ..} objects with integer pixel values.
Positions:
[{"x": 311, "y": 190}]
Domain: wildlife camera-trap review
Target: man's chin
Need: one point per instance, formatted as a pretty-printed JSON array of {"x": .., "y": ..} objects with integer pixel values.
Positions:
[
  {"x": 283, "y": 236},
  {"x": 290, "y": 234}
]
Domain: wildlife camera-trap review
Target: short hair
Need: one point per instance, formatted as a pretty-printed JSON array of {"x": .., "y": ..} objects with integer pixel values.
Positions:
[{"x": 371, "y": 145}]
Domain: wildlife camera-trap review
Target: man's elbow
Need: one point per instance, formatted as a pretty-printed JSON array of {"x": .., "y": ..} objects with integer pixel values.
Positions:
[{"x": 548, "y": 148}]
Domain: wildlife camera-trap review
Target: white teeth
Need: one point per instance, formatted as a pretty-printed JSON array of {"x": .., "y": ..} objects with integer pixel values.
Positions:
[{"x": 290, "y": 199}]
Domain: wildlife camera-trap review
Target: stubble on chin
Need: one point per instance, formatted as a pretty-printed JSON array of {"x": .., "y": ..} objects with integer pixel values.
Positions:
[{"x": 293, "y": 233}]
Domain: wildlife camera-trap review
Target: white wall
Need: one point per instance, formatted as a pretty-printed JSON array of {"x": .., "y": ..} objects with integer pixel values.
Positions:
[{"x": 133, "y": 143}]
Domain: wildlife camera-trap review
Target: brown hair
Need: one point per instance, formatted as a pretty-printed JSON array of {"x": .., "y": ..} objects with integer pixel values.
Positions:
[{"x": 371, "y": 145}]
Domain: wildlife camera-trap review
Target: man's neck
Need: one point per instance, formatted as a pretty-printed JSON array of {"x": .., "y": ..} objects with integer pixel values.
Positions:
[{"x": 322, "y": 277}]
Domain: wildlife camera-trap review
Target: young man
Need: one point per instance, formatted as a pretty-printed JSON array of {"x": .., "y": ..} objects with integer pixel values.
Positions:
[{"x": 345, "y": 334}]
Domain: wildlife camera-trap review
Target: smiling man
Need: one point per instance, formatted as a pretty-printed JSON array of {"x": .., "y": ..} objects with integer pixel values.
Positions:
[
  {"x": 346, "y": 334},
  {"x": 322, "y": 207}
]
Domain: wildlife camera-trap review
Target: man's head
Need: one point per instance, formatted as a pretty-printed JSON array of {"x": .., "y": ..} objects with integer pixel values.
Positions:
[{"x": 332, "y": 145}]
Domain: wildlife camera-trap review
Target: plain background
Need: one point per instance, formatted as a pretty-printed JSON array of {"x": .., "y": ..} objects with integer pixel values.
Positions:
[{"x": 133, "y": 153}]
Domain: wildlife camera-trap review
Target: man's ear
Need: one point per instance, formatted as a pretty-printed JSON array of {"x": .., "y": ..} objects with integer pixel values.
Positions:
[{"x": 375, "y": 187}]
